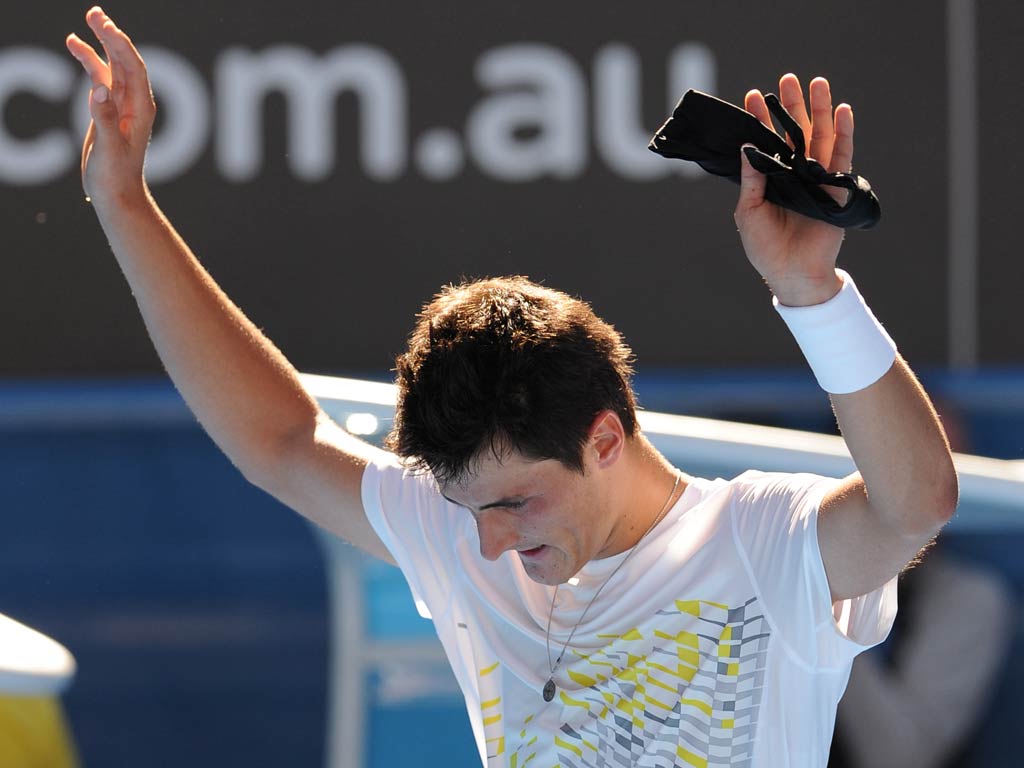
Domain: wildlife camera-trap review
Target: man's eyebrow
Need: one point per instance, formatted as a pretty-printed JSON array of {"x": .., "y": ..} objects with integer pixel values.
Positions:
[{"x": 499, "y": 503}]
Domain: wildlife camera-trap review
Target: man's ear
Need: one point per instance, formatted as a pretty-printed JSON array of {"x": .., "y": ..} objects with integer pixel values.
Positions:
[{"x": 606, "y": 439}]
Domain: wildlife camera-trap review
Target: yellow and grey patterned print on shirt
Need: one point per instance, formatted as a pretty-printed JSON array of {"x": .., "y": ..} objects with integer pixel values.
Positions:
[{"x": 684, "y": 690}]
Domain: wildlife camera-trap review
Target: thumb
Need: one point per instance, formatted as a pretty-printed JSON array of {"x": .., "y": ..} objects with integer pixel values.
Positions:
[
  {"x": 752, "y": 182},
  {"x": 104, "y": 114}
]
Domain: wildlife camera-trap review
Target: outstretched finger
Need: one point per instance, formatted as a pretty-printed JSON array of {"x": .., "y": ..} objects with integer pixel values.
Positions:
[
  {"x": 822, "y": 128},
  {"x": 95, "y": 18},
  {"x": 105, "y": 30},
  {"x": 791, "y": 96},
  {"x": 91, "y": 62},
  {"x": 754, "y": 103},
  {"x": 842, "y": 151},
  {"x": 126, "y": 63}
]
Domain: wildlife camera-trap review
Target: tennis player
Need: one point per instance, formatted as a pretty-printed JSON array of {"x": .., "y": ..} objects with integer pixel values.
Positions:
[{"x": 599, "y": 606}]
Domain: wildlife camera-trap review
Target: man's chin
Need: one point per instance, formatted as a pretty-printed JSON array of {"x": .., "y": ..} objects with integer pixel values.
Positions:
[{"x": 543, "y": 565}]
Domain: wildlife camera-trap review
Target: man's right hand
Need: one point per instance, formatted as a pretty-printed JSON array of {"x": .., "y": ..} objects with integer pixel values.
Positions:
[
  {"x": 244, "y": 392},
  {"x": 122, "y": 109}
]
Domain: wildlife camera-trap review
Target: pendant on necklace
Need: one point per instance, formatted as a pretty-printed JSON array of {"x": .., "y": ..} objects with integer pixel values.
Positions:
[{"x": 549, "y": 690}]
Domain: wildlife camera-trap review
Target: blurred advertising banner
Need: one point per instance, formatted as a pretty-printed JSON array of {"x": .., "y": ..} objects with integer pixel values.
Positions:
[{"x": 334, "y": 164}]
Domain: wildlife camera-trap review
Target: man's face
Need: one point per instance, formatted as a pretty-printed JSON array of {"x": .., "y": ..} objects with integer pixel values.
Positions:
[{"x": 553, "y": 517}]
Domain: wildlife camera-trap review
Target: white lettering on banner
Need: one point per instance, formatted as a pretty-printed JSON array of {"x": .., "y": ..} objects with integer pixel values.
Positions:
[
  {"x": 619, "y": 133},
  {"x": 48, "y": 76},
  {"x": 310, "y": 85},
  {"x": 185, "y": 105},
  {"x": 439, "y": 154},
  {"x": 532, "y": 121},
  {"x": 546, "y": 95}
]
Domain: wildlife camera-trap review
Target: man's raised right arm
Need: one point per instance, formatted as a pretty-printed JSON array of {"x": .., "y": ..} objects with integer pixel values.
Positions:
[{"x": 244, "y": 392}]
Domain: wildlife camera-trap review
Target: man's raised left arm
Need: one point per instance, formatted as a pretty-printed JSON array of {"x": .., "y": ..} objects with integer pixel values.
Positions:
[{"x": 874, "y": 522}]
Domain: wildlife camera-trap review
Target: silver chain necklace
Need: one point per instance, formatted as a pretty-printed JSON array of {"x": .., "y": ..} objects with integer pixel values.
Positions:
[{"x": 549, "y": 686}]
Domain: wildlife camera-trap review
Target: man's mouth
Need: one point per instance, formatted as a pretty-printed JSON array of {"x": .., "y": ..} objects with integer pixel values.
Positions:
[{"x": 533, "y": 552}]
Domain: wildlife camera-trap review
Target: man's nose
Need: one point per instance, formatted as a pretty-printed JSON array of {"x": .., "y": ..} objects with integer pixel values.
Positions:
[{"x": 496, "y": 534}]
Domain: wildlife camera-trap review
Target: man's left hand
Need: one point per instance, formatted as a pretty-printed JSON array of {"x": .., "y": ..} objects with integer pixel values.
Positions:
[{"x": 794, "y": 254}]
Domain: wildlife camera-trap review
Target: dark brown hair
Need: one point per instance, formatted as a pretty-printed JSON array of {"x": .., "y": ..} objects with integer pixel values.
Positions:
[{"x": 505, "y": 364}]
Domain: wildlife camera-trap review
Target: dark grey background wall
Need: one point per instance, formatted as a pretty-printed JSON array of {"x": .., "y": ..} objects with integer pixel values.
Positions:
[{"x": 510, "y": 138}]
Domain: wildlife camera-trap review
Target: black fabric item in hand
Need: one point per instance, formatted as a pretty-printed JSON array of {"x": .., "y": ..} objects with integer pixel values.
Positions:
[{"x": 710, "y": 132}]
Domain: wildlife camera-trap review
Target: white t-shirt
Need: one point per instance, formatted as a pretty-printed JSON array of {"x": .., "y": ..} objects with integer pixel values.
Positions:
[{"x": 715, "y": 644}]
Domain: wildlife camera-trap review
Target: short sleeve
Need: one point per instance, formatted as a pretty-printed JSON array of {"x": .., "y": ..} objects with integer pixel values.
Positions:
[
  {"x": 774, "y": 519},
  {"x": 418, "y": 527}
]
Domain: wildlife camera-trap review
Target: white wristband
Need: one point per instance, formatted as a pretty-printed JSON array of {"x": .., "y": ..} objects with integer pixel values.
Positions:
[{"x": 846, "y": 347}]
